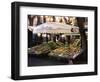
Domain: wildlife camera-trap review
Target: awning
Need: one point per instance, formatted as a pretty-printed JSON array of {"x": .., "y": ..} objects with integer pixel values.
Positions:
[{"x": 54, "y": 27}]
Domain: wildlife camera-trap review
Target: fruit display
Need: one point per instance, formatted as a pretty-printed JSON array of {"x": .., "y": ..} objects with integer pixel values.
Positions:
[
  {"x": 44, "y": 48},
  {"x": 40, "y": 49},
  {"x": 65, "y": 52},
  {"x": 56, "y": 49},
  {"x": 52, "y": 45},
  {"x": 62, "y": 52}
]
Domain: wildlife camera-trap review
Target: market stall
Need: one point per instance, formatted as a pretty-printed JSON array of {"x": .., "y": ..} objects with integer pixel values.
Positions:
[{"x": 59, "y": 41}]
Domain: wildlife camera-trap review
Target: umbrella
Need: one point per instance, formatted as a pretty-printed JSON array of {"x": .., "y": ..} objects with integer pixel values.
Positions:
[{"x": 54, "y": 27}]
